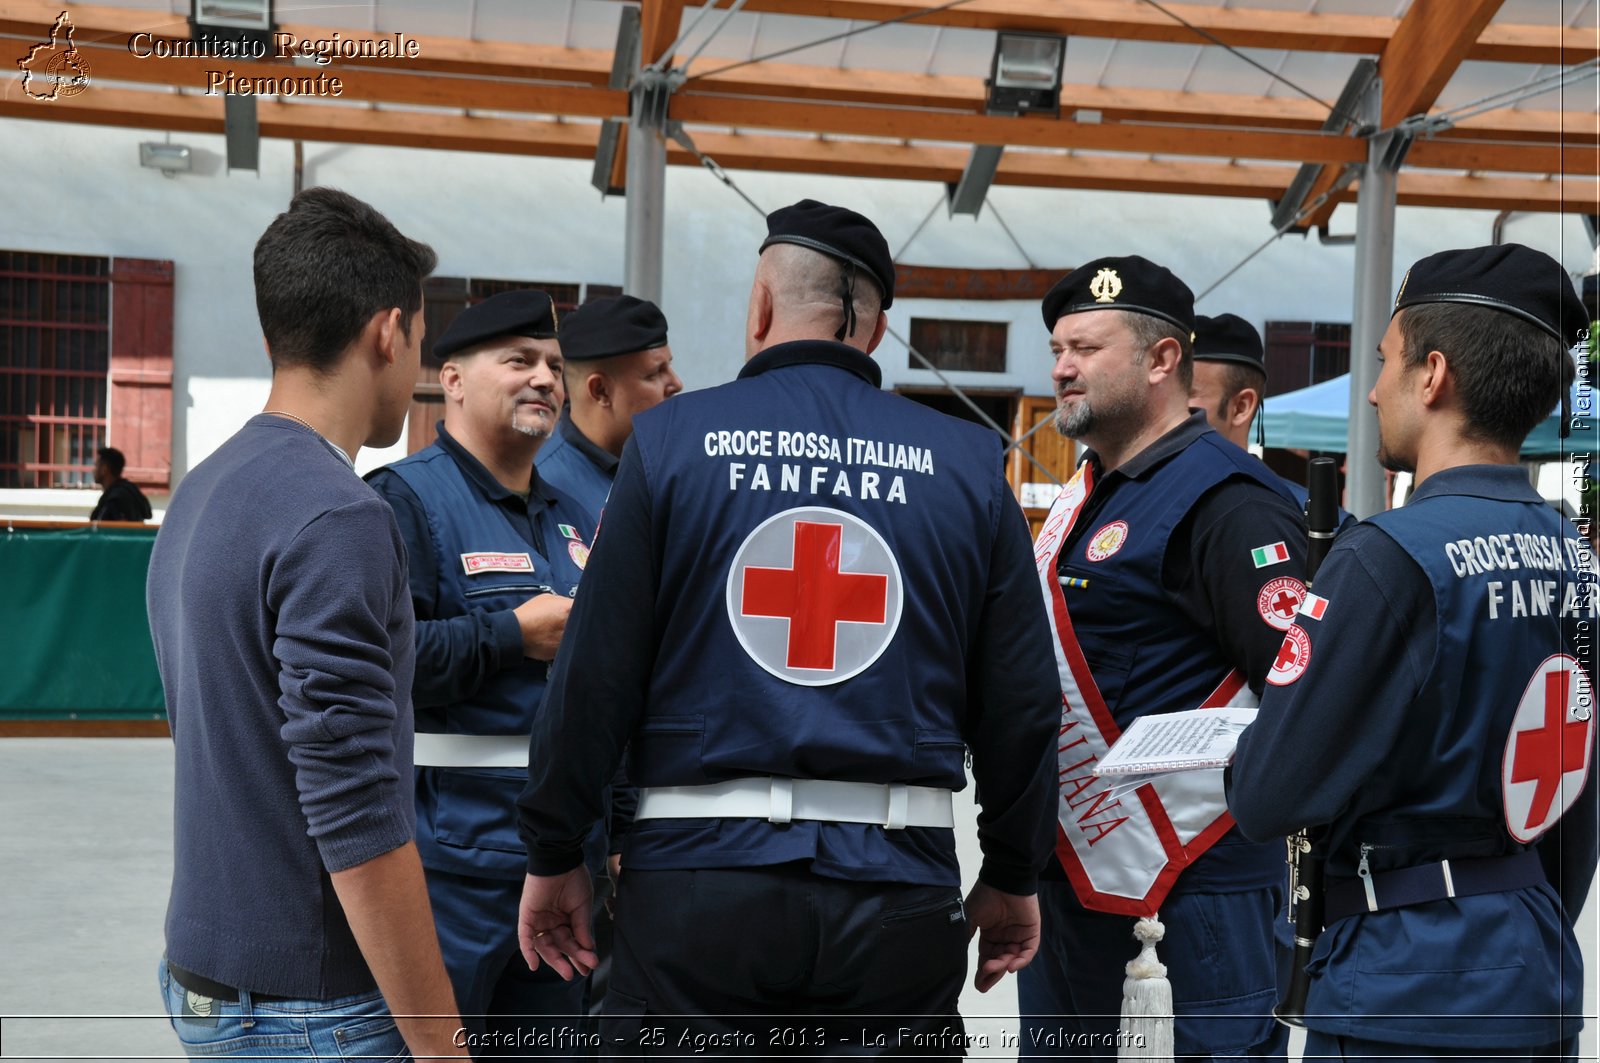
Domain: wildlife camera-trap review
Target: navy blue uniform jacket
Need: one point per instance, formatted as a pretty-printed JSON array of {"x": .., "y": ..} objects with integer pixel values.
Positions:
[
  {"x": 653, "y": 660},
  {"x": 1394, "y": 730}
]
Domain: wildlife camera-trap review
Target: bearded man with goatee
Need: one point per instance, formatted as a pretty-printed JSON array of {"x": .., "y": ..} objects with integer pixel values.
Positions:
[
  {"x": 495, "y": 555},
  {"x": 1171, "y": 565}
]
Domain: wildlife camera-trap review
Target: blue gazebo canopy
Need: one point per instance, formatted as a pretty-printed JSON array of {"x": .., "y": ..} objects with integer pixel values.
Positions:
[{"x": 1314, "y": 418}]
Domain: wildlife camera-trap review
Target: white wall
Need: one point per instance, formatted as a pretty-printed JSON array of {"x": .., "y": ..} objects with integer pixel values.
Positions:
[{"x": 80, "y": 189}]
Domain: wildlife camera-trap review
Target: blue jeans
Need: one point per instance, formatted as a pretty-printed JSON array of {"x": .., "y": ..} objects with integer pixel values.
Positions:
[{"x": 358, "y": 1027}]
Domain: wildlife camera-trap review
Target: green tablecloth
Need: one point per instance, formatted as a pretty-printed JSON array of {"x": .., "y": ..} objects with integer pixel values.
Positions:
[{"x": 74, "y": 638}]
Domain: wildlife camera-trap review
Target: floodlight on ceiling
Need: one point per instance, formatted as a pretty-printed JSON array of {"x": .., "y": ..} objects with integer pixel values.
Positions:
[
  {"x": 238, "y": 21},
  {"x": 1025, "y": 74},
  {"x": 170, "y": 159}
]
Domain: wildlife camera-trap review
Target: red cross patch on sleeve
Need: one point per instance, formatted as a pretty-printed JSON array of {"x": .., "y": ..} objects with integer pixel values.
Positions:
[{"x": 1293, "y": 656}]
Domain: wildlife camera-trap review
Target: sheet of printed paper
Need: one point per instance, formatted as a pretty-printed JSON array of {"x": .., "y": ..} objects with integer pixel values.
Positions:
[{"x": 1177, "y": 741}]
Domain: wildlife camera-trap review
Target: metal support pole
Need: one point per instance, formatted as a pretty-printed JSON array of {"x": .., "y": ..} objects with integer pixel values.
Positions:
[
  {"x": 1374, "y": 277},
  {"x": 647, "y": 185}
]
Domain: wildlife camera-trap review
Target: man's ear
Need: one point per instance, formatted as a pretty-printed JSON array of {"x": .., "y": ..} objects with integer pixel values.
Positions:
[
  {"x": 1165, "y": 357},
  {"x": 598, "y": 387},
  {"x": 1435, "y": 374},
  {"x": 878, "y": 332},
  {"x": 386, "y": 333},
  {"x": 758, "y": 323},
  {"x": 1243, "y": 406},
  {"x": 450, "y": 380}
]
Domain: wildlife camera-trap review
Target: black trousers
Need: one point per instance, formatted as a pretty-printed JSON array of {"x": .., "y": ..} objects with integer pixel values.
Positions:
[{"x": 777, "y": 961}]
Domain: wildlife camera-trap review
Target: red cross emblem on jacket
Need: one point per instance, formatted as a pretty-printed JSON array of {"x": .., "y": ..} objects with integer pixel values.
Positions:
[
  {"x": 814, "y": 595},
  {"x": 1547, "y": 753}
]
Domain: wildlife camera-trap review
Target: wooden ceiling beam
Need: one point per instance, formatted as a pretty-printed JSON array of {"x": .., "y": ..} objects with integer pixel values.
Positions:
[
  {"x": 659, "y": 24},
  {"x": 133, "y": 108},
  {"x": 1427, "y": 47},
  {"x": 372, "y": 83},
  {"x": 905, "y": 124},
  {"x": 1240, "y": 27},
  {"x": 498, "y": 65},
  {"x": 367, "y": 84},
  {"x": 1118, "y": 19},
  {"x": 1140, "y": 139}
]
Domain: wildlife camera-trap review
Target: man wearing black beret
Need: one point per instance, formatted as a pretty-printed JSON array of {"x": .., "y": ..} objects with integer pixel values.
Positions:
[
  {"x": 1230, "y": 375},
  {"x": 618, "y": 364},
  {"x": 1433, "y": 715},
  {"x": 495, "y": 555},
  {"x": 810, "y": 598},
  {"x": 1230, "y": 382},
  {"x": 1171, "y": 564}
]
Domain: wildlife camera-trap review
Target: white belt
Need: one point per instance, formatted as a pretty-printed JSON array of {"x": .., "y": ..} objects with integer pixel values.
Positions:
[
  {"x": 893, "y": 806},
  {"x": 471, "y": 751}
]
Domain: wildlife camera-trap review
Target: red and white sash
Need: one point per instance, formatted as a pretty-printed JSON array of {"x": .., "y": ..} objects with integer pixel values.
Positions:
[{"x": 1122, "y": 850}]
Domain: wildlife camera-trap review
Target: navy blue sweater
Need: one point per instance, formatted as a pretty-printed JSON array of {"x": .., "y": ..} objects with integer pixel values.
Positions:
[{"x": 283, "y": 631}]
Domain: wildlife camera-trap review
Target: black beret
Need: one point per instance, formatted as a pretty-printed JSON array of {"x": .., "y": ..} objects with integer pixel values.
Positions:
[
  {"x": 601, "y": 328},
  {"x": 837, "y": 232},
  {"x": 1509, "y": 277},
  {"x": 524, "y": 312},
  {"x": 1128, "y": 283},
  {"x": 1228, "y": 338}
]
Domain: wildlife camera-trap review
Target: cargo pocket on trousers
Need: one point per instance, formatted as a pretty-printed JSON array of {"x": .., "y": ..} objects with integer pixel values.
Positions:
[{"x": 621, "y": 1026}]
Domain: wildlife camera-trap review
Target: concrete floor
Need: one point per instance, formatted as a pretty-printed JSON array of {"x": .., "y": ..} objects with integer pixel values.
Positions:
[{"x": 85, "y": 863}]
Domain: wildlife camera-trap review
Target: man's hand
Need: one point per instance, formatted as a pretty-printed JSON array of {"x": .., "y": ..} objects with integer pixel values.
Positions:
[
  {"x": 543, "y": 619},
  {"x": 1008, "y": 933},
  {"x": 553, "y": 924}
]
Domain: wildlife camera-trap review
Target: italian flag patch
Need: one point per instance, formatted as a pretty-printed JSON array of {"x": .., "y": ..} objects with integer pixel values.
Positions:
[
  {"x": 1313, "y": 606},
  {"x": 1271, "y": 554}
]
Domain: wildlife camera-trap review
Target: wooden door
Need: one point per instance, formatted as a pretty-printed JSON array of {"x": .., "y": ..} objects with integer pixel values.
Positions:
[{"x": 1053, "y": 456}]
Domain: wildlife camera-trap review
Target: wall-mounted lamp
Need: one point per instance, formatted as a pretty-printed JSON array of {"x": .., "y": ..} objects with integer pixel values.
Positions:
[
  {"x": 1025, "y": 75},
  {"x": 248, "y": 21},
  {"x": 170, "y": 159}
]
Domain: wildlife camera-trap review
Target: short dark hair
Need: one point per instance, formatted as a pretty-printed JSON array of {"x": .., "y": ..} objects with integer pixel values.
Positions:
[
  {"x": 1509, "y": 373},
  {"x": 113, "y": 458},
  {"x": 1236, "y": 376},
  {"x": 323, "y": 268},
  {"x": 1149, "y": 330}
]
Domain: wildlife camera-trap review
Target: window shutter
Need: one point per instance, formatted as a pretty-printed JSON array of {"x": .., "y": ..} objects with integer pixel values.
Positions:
[{"x": 141, "y": 368}]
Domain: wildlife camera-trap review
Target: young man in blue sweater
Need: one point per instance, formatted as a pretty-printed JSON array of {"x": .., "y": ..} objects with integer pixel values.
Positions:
[{"x": 298, "y": 924}]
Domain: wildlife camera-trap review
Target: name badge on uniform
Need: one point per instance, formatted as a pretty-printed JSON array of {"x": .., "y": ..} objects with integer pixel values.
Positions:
[{"x": 476, "y": 563}]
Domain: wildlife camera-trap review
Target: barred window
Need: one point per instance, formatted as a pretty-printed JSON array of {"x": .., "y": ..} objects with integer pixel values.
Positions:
[
  {"x": 1302, "y": 353},
  {"x": 977, "y": 346},
  {"x": 55, "y": 362}
]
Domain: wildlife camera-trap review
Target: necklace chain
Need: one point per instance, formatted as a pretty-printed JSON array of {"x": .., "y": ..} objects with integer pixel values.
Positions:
[
  {"x": 330, "y": 443},
  {"x": 298, "y": 420}
]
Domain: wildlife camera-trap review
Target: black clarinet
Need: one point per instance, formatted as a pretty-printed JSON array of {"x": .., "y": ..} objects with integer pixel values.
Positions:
[{"x": 1307, "y": 853}]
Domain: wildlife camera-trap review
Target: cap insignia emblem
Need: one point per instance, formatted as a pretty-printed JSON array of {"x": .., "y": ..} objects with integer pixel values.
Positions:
[{"x": 1106, "y": 286}]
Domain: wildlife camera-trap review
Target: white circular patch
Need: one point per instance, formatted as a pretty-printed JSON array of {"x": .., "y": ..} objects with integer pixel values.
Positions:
[
  {"x": 1280, "y": 600},
  {"x": 814, "y": 595},
  {"x": 1107, "y": 541},
  {"x": 1293, "y": 656},
  {"x": 1546, "y": 761}
]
